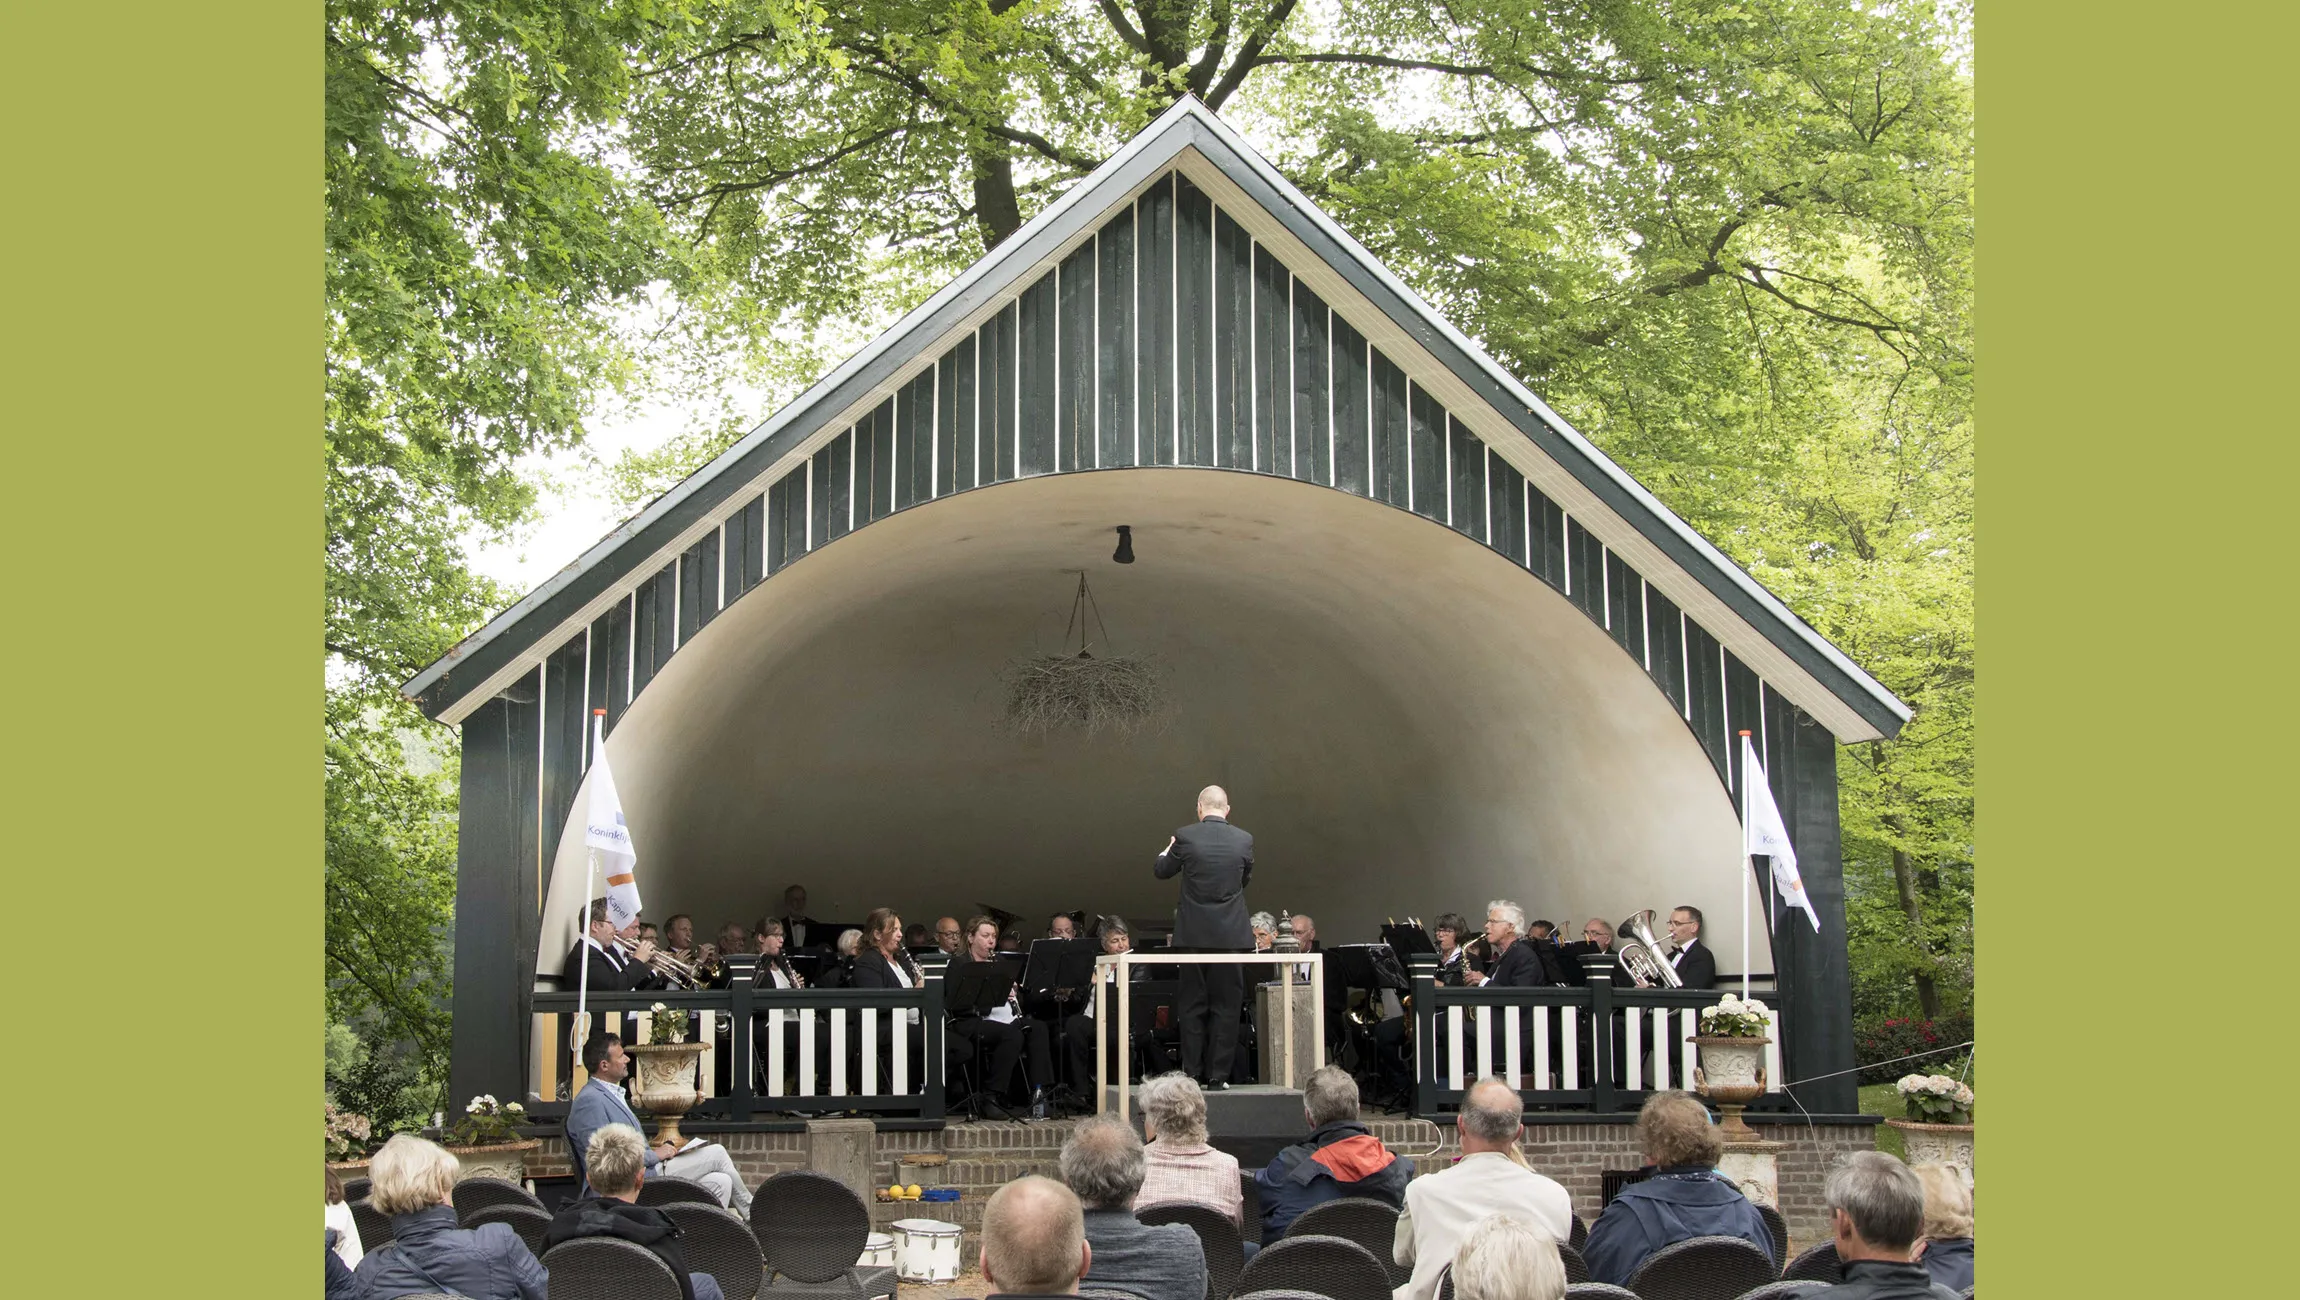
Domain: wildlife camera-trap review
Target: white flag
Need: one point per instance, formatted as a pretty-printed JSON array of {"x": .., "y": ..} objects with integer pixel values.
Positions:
[
  {"x": 605, "y": 834},
  {"x": 1762, "y": 831}
]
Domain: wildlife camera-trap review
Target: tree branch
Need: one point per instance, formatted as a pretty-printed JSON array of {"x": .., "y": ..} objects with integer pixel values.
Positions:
[{"x": 1250, "y": 54}]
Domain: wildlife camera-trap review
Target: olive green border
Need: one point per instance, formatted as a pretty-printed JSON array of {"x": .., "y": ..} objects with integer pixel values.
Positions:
[
  {"x": 164, "y": 540},
  {"x": 2135, "y": 486}
]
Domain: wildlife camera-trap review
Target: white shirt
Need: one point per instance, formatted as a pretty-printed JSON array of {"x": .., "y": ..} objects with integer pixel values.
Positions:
[
  {"x": 775, "y": 972},
  {"x": 347, "y": 1246},
  {"x": 903, "y": 978},
  {"x": 1442, "y": 1207}
]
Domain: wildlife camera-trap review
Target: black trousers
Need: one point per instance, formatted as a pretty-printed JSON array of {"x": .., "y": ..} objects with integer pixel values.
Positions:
[
  {"x": 1207, "y": 1004},
  {"x": 1018, "y": 1042}
]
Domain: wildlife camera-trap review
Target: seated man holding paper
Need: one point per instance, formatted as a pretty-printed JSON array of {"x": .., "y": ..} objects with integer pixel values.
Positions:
[{"x": 602, "y": 1103}]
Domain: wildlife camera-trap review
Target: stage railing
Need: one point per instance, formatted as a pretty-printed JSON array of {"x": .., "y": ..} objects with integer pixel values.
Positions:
[
  {"x": 781, "y": 1052},
  {"x": 1582, "y": 1049},
  {"x": 1118, "y": 988}
]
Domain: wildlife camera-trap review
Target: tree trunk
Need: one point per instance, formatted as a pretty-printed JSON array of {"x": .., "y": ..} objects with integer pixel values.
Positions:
[
  {"x": 1905, "y": 879},
  {"x": 996, "y": 209}
]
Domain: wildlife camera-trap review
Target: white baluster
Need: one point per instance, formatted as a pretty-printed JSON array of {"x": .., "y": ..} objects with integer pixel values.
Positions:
[
  {"x": 1541, "y": 1050},
  {"x": 1634, "y": 1069},
  {"x": 807, "y": 1071},
  {"x": 868, "y": 1083},
  {"x": 1453, "y": 1048},
  {"x": 1484, "y": 1042},
  {"x": 1571, "y": 1033},
  {"x": 1773, "y": 1050},
  {"x": 775, "y": 1052},
  {"x": 1510, "y": 1043}
]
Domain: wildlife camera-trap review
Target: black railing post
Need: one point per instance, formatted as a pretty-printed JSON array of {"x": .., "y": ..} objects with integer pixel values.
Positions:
[
  {"x": 1597, "y": 973},
  {"x": 932, "y": 967},
  {"x": 1424, "y": 966},
  {"x": 739, "y": 1071}
]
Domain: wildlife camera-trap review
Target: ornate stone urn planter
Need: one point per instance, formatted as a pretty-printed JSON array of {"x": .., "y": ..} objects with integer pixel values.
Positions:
[
  {"x": 665, "y": 1084},
  {"x": 1732, "y": 1074},
  {"x": 1938, "y": 1144},
  {"x": 505, "y": 1160}
]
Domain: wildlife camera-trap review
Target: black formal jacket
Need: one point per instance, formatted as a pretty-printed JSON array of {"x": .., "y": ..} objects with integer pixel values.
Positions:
[
  {"x": 1215, "y": 860},
  {"x": 1517, "y": 968},
  {"x": 1572, "y": 954},
  {"x": 605, "y": 974},
  {"x": 874, "y": 971},
  {"x": 1697, "y": 966}
]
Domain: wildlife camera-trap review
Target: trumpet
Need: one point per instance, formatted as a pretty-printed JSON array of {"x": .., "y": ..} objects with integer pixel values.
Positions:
[{"x": 677, "y": 973}]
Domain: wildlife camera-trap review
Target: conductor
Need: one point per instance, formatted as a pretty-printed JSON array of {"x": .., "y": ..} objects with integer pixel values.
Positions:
[{"x": 1215, "y": 860}]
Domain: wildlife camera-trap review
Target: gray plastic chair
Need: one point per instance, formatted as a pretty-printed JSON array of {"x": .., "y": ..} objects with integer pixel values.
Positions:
[
  {"x": 1369, "y": 1223},
  {"x": 811, "y": 1230},
  {"x": 717, "y": 1241},
  {"x": 526, "y": 1220},
  {"x": 1217, "y": 1236},
  {"x": 1580, "y": 1238},
  {"x": 1702, "y": 1268},
  {"x": 1820, "y": 1264},
  {"x": 475, "y": 1194},
  {"x": 606, "y": 1268},
  {"x": 1784, "y": 1290},
  {"x": 1598, "y": 1291},
  {"x": 1334, "y": 1267},
  {"x": 666, "y": 1190},
  {"x": 1576, "y": 1268},
  {"x": 1779, "y": 1227},
  {"x": 373, "y": 1224}
]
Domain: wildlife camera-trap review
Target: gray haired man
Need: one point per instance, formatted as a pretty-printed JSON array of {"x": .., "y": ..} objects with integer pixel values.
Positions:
[
  {"x": 1442, "y": 1207},
  {"x": 1103, "y": 1163},
  {"x": 1877, "y": 1209}
]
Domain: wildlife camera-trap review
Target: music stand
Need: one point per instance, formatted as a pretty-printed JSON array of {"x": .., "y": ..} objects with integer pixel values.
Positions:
[
  {"x": 1407, "y": 940},
  {"x": 1056, "y": 966},
  {"x": 977, "y": 987},
  {"x": 806, "y": 965}
]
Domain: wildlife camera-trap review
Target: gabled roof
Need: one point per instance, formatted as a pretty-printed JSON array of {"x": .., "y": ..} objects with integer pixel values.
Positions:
[{"x": 1517, "y": 425}]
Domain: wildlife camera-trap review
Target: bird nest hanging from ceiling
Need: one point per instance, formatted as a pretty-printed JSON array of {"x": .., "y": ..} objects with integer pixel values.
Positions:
[{"x": 1080, "y": 690}]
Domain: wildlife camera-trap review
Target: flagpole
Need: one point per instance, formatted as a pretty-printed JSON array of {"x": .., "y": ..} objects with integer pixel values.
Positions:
[
  {"x": 583, "y": 908},
  {"x": 1748, "y": 865}
]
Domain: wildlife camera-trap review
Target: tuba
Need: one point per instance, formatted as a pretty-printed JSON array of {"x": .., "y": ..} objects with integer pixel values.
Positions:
[{"x": 1640, "y": 954}]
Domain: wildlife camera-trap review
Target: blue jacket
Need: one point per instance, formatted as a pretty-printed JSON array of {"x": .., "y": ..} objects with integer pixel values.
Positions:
[
  {"x": 599, "y": 1104},
  {"x": 1341, "y": 1159},
  {"x": 1679, "y": 1202},
  {"x": 429, "y": 1255},
  {"x": 1950, "y": 1262}
]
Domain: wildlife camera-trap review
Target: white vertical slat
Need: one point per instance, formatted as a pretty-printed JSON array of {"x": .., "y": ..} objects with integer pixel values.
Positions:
[
  {"x": 708, "y": 1063},
  {"x": 1687, "y": 1026},
  {"x": 1634, "y": 1077},
  {"x": 869, "y": 1080},
  {"x": 898, "y": 1037},
  {"x": 1094, "y": 408},
  {"x": 1453, "y": 1048},
  {"x": 1409, "y": 437},
  {"x": 1510, "y": 1043},
  {"x": 838, "y": 1061},
  {"x": 807, "y": 1059},
  {"x": 1570, "y": 1031},
  {"x": 1662, "y": 1071},
  {"x": 1484, "y": 1042},
  {"x": 776, "y": 1063},
  {"x": 1773, "y": 1050},
  {"x": 1541, "y": 1050},
  {"x": 1565, "y": 548}
]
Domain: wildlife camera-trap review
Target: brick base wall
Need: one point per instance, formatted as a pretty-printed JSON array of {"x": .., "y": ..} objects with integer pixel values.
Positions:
[{"x": 984, "y": 1157}]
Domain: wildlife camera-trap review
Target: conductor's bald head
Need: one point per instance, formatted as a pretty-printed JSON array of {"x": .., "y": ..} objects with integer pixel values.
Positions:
[
  {"x": 1034, "y": 1238},
  {"x": 1213, "y": 799}
]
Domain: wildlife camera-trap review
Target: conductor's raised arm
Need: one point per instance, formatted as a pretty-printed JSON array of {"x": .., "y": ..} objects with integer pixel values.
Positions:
[{"x": 1169, "y": 861}]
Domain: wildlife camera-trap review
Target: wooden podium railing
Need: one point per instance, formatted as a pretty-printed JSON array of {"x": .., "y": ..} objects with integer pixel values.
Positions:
[{"x": 1124, "y": 963}]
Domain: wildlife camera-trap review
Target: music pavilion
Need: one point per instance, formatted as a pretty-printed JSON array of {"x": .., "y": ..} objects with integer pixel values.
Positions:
[{"x": 1438, "y": 648}]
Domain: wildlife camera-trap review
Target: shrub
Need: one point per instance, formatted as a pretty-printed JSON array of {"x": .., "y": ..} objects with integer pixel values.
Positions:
[{"x": 1880, "y": 1042}]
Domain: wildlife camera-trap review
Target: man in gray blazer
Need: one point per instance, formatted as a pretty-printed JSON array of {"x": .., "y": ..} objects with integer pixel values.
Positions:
[
  {"x": 601, "y": 1102},
  {"x": 1215, "y": 860}
]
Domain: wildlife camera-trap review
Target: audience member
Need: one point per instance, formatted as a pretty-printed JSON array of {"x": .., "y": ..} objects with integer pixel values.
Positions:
[
  {"x": 614, "y": 1165},
  {"x": 413, "y": 1181},
  {"x": 1948, "y": 1226},
  {"x": 1877, "y": 1209},
  {"x": 602, "y": 1103},
  {"x": 1504, "y": 1257},
  {"x": 340, "y": 1221},
  {"x": 1033, "y": 1239},
  {"x": 1102, "y": 1162},
  {"x": 1341, "y": 1158},
  {"x": 1684, "y": 1198},
  {"x": 1182, "y": 1169},
  {"x": 341, "y": 1285},
  {"x": 1441, "y": 1206}
]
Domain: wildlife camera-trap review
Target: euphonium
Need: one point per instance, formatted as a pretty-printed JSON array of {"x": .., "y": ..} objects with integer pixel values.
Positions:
[{"x": 1640, "y": 953}]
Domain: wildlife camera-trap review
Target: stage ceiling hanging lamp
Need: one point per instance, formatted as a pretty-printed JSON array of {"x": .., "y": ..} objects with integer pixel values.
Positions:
[{"x": 1080, "y": 690}]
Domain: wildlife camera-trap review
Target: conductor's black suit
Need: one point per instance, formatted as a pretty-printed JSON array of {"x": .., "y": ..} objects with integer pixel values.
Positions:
[{"x": 1215, "y": 860}]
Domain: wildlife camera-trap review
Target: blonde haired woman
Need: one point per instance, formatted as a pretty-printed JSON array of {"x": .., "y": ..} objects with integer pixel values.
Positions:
[
  {"x": 1948, "y": 1253},
  {"x": 413, "y": 1181}
]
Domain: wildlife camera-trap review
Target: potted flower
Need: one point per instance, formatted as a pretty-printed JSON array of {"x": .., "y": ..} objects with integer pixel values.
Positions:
[
  {"x": 487, "y": 1142},
  {"x": 1938, "y": 1128},
  {"x": 1732, "y": 1040},
  {"x": 347, "y": 1141},
  {"x": 664, "y": 1082}
]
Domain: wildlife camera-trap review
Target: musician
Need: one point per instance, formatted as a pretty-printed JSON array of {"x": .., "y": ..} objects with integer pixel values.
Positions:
[
  {"x": 1541, "y": 931},
  {"x": 1695, "y": 965},
  {"x": 639, "y": 935},
  {"x": 1265, "y": 927},
  {"x": 1215, "y": 861},
  {"x": 731, "y": 938},
  {"x": 1596, "y": 937},
  {"x": 881, "y": 962},
  {"x": 799, "y": 929},
  {"x": 1149, "y": 1057},
  {"x": 839, "y": 971},
  {"x": 1453, "y": 960},
  {"x": 948, "y": 936},
  {"x": 612, "y": 968},
  {"x": 775, "y": 972},
  {"x": 915, "y": 936},
  {"x": 1011, "y": 1038},
  {"x": 1515, "y": 965},
  {"x": 1394, "y": 1038},
  {"x": 1062, "y": 926},
  {"x": 679, "y": 936}
]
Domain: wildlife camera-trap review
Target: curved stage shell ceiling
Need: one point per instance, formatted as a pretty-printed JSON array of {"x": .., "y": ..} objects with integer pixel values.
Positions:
[{"x": 1407, "y": 721}]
